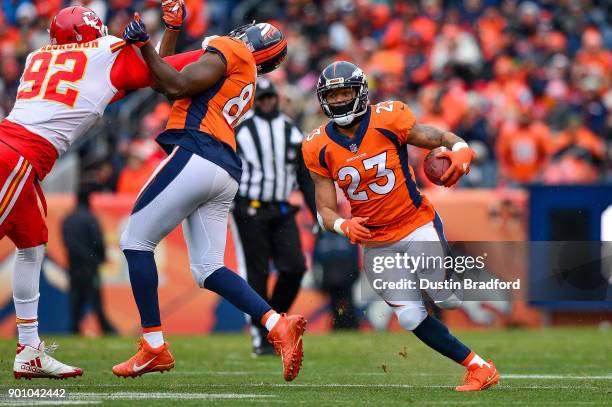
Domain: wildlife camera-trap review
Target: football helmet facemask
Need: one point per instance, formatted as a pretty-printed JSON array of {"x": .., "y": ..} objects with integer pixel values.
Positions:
[{"x": 341, "y": 75}]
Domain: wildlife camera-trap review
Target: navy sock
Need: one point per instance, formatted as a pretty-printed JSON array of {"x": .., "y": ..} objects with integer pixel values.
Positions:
[
  {"x": 436, "y": 335},
  {"x": 236, "y": 290},
  {"x": 143, "y": 277}
]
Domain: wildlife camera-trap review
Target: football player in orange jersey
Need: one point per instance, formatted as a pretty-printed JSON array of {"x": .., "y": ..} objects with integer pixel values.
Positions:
[
  {"x": 196, "y": 184},
  {"x": 363, "y": 148}
]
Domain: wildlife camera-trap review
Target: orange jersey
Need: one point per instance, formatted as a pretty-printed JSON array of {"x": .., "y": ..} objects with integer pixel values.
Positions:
[
  {"x": 373, "y": 171},
  {"x": 219, "y": 109}
]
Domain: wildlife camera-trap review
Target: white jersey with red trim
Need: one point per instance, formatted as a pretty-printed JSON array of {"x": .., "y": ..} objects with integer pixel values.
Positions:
[{"x": 64, "y": 89}]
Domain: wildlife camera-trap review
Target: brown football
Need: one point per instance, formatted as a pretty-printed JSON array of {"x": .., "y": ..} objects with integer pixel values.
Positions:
[{"x": 436, "y": 167}]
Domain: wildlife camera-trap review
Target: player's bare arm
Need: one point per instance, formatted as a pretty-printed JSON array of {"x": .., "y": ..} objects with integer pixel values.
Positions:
[
  {"x": 326, "y": 200},
  {"x": 327, "y": 209},
  {"x": 173, "y": 15},
  {"x": 430, "y": 137},
  {"x": 193, "y": 79},
  {"x": 168, "y": 43},
  {"x": 460, "y": 154}
]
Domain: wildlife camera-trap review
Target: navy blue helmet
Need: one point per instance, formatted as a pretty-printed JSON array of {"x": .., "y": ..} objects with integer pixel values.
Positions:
[
  {"x": 343, "y": 74},
  {"x": 266, "y": 42}
]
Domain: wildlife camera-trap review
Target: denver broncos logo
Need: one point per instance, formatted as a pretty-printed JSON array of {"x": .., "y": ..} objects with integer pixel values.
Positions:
[{"x": 268, "y": 31}]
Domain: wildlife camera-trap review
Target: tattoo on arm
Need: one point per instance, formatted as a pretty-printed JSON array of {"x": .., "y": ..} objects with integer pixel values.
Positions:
[{"x": 426, "y": 136}]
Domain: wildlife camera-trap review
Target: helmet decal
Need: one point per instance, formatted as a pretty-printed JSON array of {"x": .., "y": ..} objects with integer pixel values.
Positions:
[{"x": 266, "y": 42}]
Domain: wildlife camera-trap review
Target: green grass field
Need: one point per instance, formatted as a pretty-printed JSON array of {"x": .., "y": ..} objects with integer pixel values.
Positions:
[{"x": 543, "y": 367}]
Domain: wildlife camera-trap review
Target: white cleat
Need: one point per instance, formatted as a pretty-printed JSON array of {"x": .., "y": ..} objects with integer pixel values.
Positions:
[{"x": 35, "y": 363}]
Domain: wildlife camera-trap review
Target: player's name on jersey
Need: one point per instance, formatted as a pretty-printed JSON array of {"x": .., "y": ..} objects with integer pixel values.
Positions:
[{"x": 85, "y": 45}]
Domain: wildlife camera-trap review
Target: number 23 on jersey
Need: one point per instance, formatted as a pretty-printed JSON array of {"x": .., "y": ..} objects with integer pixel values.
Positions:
[{"x": 47, "y": 70}]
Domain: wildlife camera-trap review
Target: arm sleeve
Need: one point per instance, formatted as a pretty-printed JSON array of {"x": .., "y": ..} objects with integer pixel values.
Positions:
[{"x": 131, "y": 72}]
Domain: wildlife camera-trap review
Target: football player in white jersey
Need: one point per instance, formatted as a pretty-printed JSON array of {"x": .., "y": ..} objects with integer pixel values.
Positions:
[{"x": 64, "y": 89}]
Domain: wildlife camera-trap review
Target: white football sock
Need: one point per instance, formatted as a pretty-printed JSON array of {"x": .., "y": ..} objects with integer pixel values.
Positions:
[
  {"x": 28, "y": 334},
  {"x": 271, "y": 321},
  {"x": 26, "y": 277},
  {"x": 478, "y": 360},
  {"x": 154, "y": 339}
]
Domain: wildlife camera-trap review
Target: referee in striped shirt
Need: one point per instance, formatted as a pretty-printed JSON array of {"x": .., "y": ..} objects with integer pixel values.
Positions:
[{"x": 269, "y": 145}]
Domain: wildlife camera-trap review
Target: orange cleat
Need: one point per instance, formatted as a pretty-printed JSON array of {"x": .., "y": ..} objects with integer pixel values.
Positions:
[
  {"x": 479, "y": 378},
  {"x": 286, "y": 337},
  {"x": 146, "y": 360}
]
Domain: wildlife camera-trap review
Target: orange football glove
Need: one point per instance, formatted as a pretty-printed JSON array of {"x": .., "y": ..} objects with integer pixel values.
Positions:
[
  {"x": 174, "y": 14},
  {"x": 354, "y": 229},
  {"x": 460, "y": 164}
]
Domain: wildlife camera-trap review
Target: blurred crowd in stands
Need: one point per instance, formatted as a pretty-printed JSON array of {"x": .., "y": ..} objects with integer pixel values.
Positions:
[{"x": 527, "y": 83}]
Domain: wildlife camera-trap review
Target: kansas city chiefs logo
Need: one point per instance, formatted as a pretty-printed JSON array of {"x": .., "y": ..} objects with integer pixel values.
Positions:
[{"x": 92, "y": 20}]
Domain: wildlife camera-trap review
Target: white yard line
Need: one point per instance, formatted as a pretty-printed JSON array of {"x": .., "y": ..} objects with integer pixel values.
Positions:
[
  {"x": 34, "y": 402},
  {"x": 341, "y": 386},
  {"x": 395, "y": 372},
  {"x": 555, "y": 376},
  {"x": 165, "y": 396},
  {"x": 76, "y": 398}
]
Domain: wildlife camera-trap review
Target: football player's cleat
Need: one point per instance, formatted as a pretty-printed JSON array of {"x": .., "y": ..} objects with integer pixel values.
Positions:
[
  {"x": 286, "y": 337},
  {"x": 479, "y": 378},
  {"x": 146, "y": 360},
  {"x": 35, "y": 363}
]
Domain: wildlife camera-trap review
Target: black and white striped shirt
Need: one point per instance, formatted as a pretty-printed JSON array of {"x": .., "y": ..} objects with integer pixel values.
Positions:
[{"x": 272, "y": 163}]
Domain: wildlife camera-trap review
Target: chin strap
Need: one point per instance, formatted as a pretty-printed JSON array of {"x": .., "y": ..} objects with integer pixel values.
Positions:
[{"x": 356, "y": 120}]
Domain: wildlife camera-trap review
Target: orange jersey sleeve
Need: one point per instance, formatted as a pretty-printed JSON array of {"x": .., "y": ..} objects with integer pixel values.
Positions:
[
  {"x": 229, "y": 49},
  {"x": 397, "y": 117},
  {"x": 313, "y": 151},
  {"x": 219, "y": 109}
]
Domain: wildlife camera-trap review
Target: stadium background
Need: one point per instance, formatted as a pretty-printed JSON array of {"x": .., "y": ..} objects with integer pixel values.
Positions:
[{"x": 527, "y": 84}]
